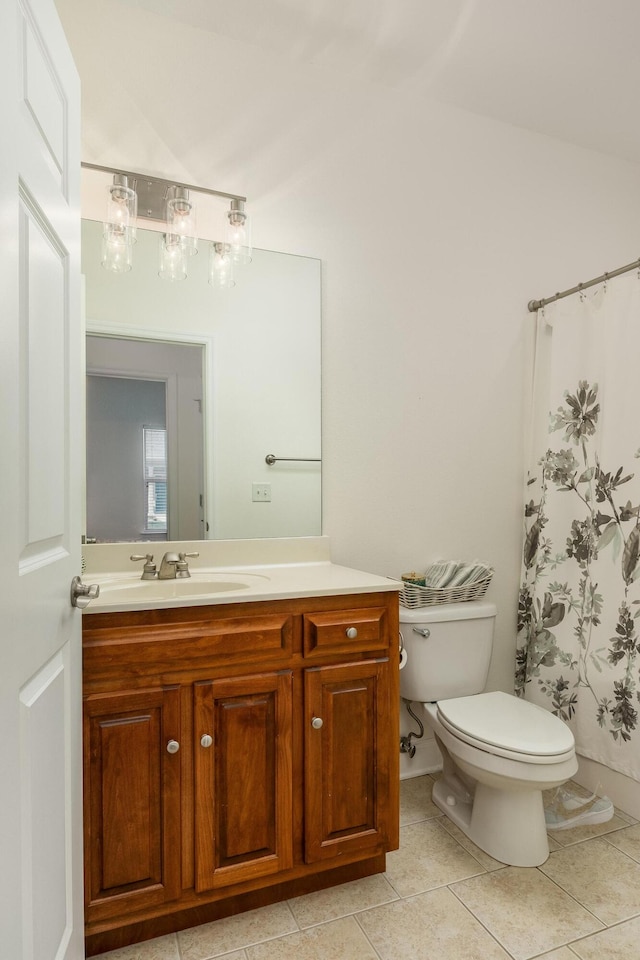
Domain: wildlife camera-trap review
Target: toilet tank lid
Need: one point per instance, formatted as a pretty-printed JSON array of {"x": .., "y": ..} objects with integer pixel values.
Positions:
[{"x": 439, "y": 612}]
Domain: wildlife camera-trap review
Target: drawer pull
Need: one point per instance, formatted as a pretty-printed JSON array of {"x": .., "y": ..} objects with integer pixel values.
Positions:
[
  {"x": 316, "y": 723},
  {"x": 206, "y": 740},
  {"x": 173, "y": 746},
  {"x": 352, "y": 633}
]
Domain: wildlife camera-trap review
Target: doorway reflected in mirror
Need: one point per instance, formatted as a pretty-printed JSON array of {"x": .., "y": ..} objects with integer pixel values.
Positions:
[{"x": 144, "y": 440}]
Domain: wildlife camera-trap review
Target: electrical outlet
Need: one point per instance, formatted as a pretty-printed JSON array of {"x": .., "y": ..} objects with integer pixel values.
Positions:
[{"x": 261, "y": 492}]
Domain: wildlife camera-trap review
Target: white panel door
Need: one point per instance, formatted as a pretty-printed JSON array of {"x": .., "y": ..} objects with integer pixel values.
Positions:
[{"x": 41, "y": 906}]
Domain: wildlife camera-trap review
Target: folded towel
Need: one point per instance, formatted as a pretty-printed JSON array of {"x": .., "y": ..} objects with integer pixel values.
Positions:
[
  {"x": 470, "y": 573},
  {"x": 440, "y": 574},
  {"x": 453, "y": 573}
]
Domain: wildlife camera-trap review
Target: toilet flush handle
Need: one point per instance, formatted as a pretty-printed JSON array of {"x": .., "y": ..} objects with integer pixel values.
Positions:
[{"x": 422, "y": 632}]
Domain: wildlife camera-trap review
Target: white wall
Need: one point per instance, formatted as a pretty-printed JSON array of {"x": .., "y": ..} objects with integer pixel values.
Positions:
[{"x": 435, "y": 227}]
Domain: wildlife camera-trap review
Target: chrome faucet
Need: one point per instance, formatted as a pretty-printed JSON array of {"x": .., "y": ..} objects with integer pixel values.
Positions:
[
  {"x": 174, "y": 566},
  {"x": 168, "y": 566}
]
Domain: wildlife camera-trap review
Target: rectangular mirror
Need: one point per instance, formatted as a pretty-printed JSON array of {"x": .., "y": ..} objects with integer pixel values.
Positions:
[{"x": 190, "y": 388}]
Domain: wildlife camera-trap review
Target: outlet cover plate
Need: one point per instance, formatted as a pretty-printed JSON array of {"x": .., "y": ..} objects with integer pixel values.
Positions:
[{"x": 261, "y": 492}]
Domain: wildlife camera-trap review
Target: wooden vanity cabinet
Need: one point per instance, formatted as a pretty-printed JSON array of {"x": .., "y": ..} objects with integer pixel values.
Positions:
[{"x": 235, "y": 755}]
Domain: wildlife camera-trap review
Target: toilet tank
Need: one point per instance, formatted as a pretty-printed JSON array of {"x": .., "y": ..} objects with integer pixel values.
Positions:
[{"x": 448, "y": 650}]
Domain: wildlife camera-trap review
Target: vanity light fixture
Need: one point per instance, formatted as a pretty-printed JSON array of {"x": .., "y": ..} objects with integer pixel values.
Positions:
[
  {"x": 134, "y": 197},
  {"x": 221, "y": 266},
  {"x": 238, "y": 234}
]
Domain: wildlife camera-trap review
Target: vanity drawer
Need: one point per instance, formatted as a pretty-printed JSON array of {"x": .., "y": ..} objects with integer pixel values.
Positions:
[
  {"x": 363, "y": 630},
  {"x": 162, "y": 648}
]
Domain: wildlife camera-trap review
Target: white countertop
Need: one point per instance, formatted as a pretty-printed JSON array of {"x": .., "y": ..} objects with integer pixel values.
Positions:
[{"x": 123, "y": 589}]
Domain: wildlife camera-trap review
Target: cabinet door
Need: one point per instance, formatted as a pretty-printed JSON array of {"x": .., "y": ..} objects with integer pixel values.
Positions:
[
  {"x": 132, "y": 800},
  {"x": 347, "y": 759},
  {"x": 243, "y": 778}
]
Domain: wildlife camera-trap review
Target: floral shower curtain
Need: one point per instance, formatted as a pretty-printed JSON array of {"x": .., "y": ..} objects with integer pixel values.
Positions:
[{"x": 579, "y": 606}]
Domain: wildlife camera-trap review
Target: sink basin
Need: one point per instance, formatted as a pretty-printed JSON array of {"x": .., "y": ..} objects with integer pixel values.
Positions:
[{"x": 197, "y": 585}]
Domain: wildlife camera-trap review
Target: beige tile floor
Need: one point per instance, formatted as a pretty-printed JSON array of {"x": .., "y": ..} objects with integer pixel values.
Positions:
[{"x": 443, "y": 899}]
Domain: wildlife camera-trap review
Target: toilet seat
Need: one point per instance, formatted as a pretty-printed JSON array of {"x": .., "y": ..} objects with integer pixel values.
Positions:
[{"x": 506, "y": 726}]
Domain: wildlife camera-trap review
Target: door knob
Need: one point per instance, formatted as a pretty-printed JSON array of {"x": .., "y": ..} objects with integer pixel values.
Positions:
[
  {"x": 83, "y": 593},
  {"x": 206, "y": 740},
  {"x": 173, "y": 746},
  {"x": 316, "y": 723}
]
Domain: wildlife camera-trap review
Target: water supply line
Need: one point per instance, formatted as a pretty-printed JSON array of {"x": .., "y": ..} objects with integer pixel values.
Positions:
[{"x": 406, "y": 741}]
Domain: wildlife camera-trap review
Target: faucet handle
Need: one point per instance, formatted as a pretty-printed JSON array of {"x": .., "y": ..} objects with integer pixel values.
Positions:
[
  {"x": 182, "y": 567},
  {"x": 149, "y": 569}
]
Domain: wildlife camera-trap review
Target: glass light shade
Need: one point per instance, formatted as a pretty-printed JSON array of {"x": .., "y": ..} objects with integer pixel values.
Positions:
[
  {"x": 122, "y": 207},
  {"x": 181, "y": 219},
  {"x": 238, "y": 233},
  {"x": 117, "y": 248},
  {"x": 220, "y": 266},
  {"x": 173, "y": 264}
]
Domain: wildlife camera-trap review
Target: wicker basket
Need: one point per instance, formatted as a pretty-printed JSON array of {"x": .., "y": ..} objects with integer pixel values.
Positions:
[{"x": 413, "y": 595}]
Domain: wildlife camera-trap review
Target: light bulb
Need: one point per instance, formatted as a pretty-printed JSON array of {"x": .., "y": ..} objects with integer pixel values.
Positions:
[
  {"x": 122, "y": 207},
  {"x": 172, "y": 257},
  {"x": 238, "y": 233},
  {"x": 117, "y": 248},
  {"x": 220, "y": 266},
  {"x": 181, "y": 219}
]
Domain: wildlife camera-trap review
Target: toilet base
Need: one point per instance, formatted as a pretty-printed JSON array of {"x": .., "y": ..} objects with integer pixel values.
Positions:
[{"x": 509, "y": 825}]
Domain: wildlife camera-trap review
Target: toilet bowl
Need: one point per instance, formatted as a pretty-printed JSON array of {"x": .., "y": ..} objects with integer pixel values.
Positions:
[
  {"x": 499, "y": 752},
  {"x": 508, "y": 752}
]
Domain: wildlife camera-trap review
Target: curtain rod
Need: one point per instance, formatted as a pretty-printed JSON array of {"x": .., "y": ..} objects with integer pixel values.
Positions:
[{"x": 537, "y": 304}]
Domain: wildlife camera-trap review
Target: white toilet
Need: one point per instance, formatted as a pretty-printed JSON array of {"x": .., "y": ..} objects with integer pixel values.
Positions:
[{"x": 499, "y": 752}]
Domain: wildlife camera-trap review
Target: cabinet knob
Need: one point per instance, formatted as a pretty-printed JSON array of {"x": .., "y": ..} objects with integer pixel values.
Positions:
[
  {"x": 206, "y": 740},
  {"x": 352, "y": 633},
  {"x": 173, "y": 746},
  {"x": 316, "y": 723}
]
